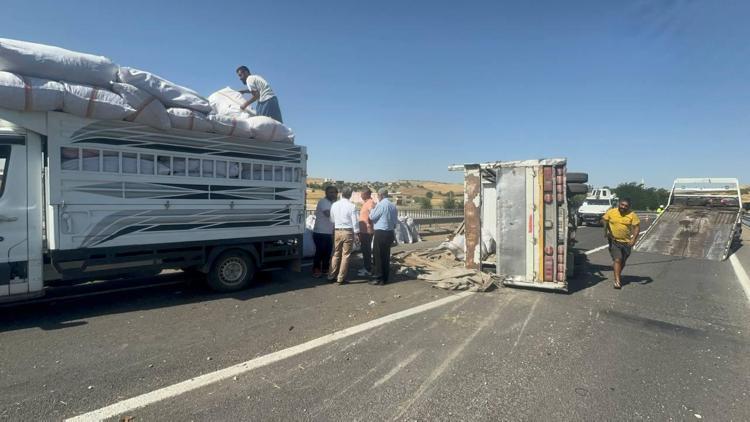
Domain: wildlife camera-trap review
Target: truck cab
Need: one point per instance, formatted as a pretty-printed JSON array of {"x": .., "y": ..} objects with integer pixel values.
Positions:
[{"x": 598, "y": 202}]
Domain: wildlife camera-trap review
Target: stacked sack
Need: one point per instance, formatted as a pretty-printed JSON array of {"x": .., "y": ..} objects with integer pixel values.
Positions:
[{"x": 37, "y": 77}]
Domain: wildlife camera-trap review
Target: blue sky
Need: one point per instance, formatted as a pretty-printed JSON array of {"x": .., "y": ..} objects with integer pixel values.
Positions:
[{"x": 394, "y": 89}]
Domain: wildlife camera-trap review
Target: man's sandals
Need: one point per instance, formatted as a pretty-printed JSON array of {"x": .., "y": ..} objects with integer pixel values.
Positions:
[{"x": 617, "y": 286}]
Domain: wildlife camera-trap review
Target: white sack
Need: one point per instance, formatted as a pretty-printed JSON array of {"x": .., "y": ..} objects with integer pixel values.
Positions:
[
  {"x": 488, "y": 244},
  {"x": 148, "y": 109},
  {"x": 45, "y": 61},
  {"x": 29, "y": 94},
  {"x": 183, "y": 118},
  {"x": 267, "y": 129},
  {"x": 456, "y": 246},
  {"x": 406, "y": 231},
  {"x": 169, "y": 93},
  {"x": 261, "y": 128},
  {"x": 229, "y": 102},
  {"x": 413, "y": 229},
  {"x": 401, "y": 231},
  {"x": 230, "y": 126},
  {"x": 308, "y": 244},
  {"x": 94, "y": 103}
]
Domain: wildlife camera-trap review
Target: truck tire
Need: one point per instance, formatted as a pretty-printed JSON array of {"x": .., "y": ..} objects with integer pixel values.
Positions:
[
  {"x": 577, "y": 177},
  {"x": 577, "y": 188},
  {"x": 231, "y": 271}
]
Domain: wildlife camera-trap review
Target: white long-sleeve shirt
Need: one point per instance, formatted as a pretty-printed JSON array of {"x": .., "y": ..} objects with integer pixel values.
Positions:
[
  {"x": 344, "y": 215},
  {"x": 323, "y": 223}
]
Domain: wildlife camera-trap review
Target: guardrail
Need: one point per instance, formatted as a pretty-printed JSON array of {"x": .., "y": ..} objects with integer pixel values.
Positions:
[
  {"x": 420, "y": 214},
  {"x": 746, "y": 220},
  {"x": 438, "y": 220}
]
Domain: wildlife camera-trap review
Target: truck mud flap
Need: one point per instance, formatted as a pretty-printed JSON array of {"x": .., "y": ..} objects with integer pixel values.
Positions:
[{"x": 691, "y": 232}]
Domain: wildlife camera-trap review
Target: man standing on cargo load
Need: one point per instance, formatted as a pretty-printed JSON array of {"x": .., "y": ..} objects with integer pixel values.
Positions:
[
  {"x": 268, "y": 104},
  {"x": 621, "y": 229}
]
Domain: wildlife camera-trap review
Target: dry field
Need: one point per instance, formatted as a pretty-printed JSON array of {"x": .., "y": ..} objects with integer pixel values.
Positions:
[{"x": 407, "y": 188}]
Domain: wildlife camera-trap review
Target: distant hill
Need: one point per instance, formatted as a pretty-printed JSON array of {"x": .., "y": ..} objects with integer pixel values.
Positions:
[{"x": 405, "y": 190}]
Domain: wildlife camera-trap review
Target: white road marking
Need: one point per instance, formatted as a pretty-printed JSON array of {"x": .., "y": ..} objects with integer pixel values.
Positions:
[
  {"x": 334, "y": 399},
  {"x": 741, "y": 275},
  {"x": 437, "y": 372},
  {"x": 597, "y": 249},
  {"x": 401, "y": 365},
  {"x": 229, "y": 372},
  {"x": 525, "y": 323}
]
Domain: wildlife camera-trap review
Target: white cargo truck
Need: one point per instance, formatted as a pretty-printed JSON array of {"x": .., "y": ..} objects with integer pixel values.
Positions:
[{"x": 84, "y": 200}]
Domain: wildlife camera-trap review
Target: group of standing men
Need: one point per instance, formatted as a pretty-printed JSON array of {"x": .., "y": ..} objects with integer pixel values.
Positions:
[{"x": 339, "y": 226}]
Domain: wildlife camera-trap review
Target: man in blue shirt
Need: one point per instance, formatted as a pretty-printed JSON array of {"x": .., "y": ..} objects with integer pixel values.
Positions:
[{"x": 384, "y": 218}]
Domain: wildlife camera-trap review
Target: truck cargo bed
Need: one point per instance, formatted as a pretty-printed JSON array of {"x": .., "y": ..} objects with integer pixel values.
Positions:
[{"x": 692, "y": 232}]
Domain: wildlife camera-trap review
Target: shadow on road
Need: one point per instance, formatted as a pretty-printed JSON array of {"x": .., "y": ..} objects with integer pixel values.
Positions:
[
  {"x": 76, "y": 304},
  {"x": 587, "y": 274},
  {"x": 635, "y": 279}
]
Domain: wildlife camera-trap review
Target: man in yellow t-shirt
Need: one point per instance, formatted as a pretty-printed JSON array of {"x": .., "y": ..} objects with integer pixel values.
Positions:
[{"x": 621, "y": 228}]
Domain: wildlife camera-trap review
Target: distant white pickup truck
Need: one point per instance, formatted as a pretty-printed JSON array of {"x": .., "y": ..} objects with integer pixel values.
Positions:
[{"x": 598, "y": 202}]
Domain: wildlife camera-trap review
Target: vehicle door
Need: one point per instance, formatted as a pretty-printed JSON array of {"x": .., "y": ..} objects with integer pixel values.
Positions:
[{"x": 14, "y": 253}]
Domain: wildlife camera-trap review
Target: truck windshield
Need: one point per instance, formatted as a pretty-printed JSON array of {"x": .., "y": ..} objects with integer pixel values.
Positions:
[
  {"x": 597, "y": 202},
  {"x": 4, "y": 159}
]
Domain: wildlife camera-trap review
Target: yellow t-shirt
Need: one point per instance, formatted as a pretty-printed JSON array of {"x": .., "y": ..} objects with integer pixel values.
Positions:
[{"x": 621, "y": 226}]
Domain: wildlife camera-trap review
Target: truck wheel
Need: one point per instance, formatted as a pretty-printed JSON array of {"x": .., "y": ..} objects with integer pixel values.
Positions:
[
  {"x": 231, "y": 271},
  {"x": 577, "y": 177},
  {"x": 577, "y": 188}
]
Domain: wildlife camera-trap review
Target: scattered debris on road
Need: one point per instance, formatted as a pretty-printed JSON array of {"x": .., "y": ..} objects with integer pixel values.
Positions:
[{"x": 440, "y": 267}]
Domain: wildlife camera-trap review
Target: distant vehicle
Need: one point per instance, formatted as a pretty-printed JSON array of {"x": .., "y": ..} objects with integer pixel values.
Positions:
[
  {"x": 702, "y": 220},
  {"x": 598, "y": 202}
]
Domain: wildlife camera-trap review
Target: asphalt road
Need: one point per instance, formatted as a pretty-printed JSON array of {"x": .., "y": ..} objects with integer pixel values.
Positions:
[{"x": 672, "y": 344}]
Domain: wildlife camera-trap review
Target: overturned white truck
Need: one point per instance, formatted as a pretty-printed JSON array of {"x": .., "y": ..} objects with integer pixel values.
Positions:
[
  {"x": 84, "y": 199},
  {"x": 523, "y": 206}
]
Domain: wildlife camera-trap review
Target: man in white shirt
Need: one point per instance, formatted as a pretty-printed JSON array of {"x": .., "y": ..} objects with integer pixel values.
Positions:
[
  {"x": 345, "y": 220},
  {"x": 323, "y": 232},
  {"x": 268, "y": 104}
]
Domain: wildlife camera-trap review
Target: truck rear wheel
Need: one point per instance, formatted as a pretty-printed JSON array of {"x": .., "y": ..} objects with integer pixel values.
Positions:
[
  {"x": 231, "y": 271},
  {"x": 577, "y": 188},
  {"x": 577, "y": 177}
]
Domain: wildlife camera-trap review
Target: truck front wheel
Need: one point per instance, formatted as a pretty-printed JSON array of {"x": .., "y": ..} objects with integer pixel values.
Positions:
[{"x": 231, "y": 271}]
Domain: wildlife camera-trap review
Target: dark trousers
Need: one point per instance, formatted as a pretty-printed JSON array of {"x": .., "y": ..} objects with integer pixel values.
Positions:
[
  {"x": 365, "y": 241},
  {"x": 382, "y": 253},
  {"x": 323, "y": 249}
]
